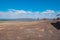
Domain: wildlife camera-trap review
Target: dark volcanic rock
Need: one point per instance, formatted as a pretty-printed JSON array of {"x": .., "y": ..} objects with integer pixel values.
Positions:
[{"x": 56, "y": 25}]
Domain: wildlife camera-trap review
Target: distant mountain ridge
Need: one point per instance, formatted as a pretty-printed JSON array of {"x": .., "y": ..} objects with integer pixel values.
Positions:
[{"x": 22, "y": 19}]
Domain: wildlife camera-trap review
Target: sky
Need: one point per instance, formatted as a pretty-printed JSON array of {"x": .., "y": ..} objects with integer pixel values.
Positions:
[{"x": 12, "y": 9}]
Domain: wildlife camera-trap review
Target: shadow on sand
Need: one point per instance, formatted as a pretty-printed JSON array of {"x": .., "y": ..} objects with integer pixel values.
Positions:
[{"x": 56, "y": 25}]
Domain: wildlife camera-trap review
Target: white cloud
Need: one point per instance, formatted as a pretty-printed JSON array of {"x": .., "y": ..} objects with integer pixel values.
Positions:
[
  {"x": 37, "y": 12},
  {"x": 29, "y": 12},
  {"x": 48, "y": 12},
  {"x": 12, "y": 13},
  {"x": 17, "y": 11},
  {"x": 58, "y": 12}
]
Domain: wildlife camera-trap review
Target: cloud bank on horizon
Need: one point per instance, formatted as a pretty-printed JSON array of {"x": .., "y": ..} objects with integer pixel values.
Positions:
[
  {"x": 11, "y": 9},
  {"x": 13, "y": 13}
]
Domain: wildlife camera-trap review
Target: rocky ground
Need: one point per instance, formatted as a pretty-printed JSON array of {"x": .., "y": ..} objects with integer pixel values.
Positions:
[{"x": 35, "y": 30}]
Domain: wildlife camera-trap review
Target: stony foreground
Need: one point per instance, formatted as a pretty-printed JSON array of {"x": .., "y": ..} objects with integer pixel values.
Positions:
[{"x": 28, "y": 31}]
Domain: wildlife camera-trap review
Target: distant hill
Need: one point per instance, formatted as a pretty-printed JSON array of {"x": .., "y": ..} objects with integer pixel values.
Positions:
[
  {"x": 21, "y": 19},
  {"x": 25, "y": 19}
]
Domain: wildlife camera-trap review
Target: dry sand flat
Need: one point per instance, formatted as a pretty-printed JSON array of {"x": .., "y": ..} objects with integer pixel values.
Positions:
[{"x": 34, "y": 30}]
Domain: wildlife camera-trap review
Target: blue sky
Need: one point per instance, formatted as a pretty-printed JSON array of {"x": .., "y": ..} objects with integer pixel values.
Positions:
[{"x": 29, "y": 8}]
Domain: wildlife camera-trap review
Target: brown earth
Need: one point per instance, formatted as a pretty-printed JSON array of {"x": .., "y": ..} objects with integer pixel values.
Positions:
[{"x": 35, "y": 30}]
